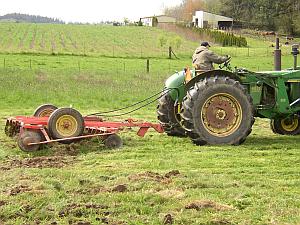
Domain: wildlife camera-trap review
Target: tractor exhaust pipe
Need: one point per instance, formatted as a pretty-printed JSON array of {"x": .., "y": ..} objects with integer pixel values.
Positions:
[
  {"x": 295, "y": 53},
  {"x": 277, "y": 56}
]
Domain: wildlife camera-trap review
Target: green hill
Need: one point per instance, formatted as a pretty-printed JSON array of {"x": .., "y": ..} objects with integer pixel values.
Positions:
[{"x": 90, "y": 40}]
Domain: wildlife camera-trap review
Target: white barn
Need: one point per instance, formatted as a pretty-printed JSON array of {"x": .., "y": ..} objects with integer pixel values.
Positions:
[
  {"x": 162, "y": 19},
  {"x": 209, "y": 20}
]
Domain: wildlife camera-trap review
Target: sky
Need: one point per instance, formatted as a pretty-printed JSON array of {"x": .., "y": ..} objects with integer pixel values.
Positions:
[{"x": 91, "y": 11}]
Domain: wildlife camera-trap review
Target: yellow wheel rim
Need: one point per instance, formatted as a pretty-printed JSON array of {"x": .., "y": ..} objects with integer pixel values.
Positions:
[
  {"x": 290, "y": 124},
  {"x": 46, "y": 113},
  {"x": 66, "y": 125},
  {"x": 221, "y": 115}
]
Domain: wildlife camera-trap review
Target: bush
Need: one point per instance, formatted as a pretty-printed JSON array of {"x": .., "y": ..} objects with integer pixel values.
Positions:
[
  {"x": 162, "y": 40},
  {"x": 223, "y": 38},
  {"x": 176, "y": 42}
]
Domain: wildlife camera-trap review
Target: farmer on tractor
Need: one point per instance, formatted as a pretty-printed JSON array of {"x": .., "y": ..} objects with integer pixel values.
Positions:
[{"x": 204, "y": 58}]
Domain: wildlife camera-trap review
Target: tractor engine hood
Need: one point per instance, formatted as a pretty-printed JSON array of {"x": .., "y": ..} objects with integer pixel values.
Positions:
[
  {"x": 175, "y": 80},
  {"x": 176, "y": 85},
  {"x": 280, "y": 73}
]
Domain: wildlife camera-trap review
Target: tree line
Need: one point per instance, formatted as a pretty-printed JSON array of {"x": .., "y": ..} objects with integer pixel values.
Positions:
[
  {"x": 271, "y": 15},
  {"x": 18, "y": 17}
]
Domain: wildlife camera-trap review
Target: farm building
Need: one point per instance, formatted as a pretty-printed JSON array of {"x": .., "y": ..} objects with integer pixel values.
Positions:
[
  {"x": 208, "y": 20},
  {"x": 162, "y": 19}
]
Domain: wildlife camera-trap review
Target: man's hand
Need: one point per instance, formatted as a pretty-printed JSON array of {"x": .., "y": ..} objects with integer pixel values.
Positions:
[{"x": 228, "y": 57}]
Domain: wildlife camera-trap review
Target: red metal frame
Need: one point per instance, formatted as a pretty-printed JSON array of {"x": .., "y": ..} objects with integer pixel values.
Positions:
[{"x": 94, "y": 127}]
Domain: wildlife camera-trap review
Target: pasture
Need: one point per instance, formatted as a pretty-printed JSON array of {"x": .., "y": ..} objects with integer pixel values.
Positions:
[{"x": 152, "y": 180}]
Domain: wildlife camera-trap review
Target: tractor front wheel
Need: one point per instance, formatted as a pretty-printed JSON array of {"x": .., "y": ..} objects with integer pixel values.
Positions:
[
  {"x": 218, "y": 110},
  {"x": 65, "y": 123},
  {"x": 169, "y": 116},
  {"x": 286, "y": 126}
]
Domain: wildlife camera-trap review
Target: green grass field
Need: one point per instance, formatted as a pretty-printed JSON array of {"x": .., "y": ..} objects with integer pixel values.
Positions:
[{"x": 151, "y": 180}]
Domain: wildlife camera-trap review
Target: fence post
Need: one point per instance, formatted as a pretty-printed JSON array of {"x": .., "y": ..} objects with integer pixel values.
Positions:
[
  {"x": 124, "y": 66},
  {"x": 170, "y": 52},
  {"x": 79, "y": 66},
  {"x": 4, "y": 63},
  {"x": 30, "y": 64},
  {"x": 148, "y": 65}
]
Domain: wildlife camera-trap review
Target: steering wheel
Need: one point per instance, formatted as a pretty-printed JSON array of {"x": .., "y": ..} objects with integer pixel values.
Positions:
[{"x": 226, "y": 65}]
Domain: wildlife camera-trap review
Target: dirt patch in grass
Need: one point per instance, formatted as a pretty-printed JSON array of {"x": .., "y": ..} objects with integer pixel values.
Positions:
[
  {"x": 220, "y": 222},
  {"x": 66, "y": 150},
  {"x": 172, "y": 173},
  {"x": 80, "y": 210},
  {"x": 93, "y": 190},
  {"x": 19, "y": 190},
  {"x": 39, "y": 162},
  {"x": 168, "y": 219},
  {"x": 120, "y": 188},
  {"x": 2, "y": 203},
  {"x": 83, "y": 223},
  {"x": 207, "y": 204},
  {"x": 166, "y": 178},
  {"x": 26, "y": 208},
  {"x": 101, "y": 189}
]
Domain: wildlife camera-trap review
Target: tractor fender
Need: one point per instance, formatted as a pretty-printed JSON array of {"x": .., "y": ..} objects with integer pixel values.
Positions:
[{"x": 212, "y": 73}]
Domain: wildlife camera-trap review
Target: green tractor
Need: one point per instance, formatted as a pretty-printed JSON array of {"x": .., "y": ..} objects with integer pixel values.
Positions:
[{"x": 218, "y": 107}]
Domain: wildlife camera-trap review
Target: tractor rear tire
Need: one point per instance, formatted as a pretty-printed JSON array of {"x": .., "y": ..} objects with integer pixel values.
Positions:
[
  {"x": 218, "y": 110},
  {"x": 65, "y": 123},
  {"x": 168, "y": 116},
  {"x": 286, "y": 126},
  {"x": 44, "y": 110}
]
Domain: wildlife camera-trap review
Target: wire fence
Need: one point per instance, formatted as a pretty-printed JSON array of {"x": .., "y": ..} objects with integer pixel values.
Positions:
[
  {"x": 86, "y": 64},
  {"x": 129, "y": 64}
]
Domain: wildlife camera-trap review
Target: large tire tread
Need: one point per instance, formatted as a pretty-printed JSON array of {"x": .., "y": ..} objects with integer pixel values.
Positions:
[
  {"x": 167, "y": 117},
  {"x": 196, "y": 93}
]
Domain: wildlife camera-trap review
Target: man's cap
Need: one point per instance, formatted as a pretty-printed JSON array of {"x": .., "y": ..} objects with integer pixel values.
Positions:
[{"x": 205, "y": 44}]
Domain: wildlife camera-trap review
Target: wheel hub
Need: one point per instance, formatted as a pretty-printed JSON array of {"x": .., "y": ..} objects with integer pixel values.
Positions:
[
  {"x": 66, "y": 125},
  {"x": 221, "y": 115},
  {"x": 28, "y": 140}
]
